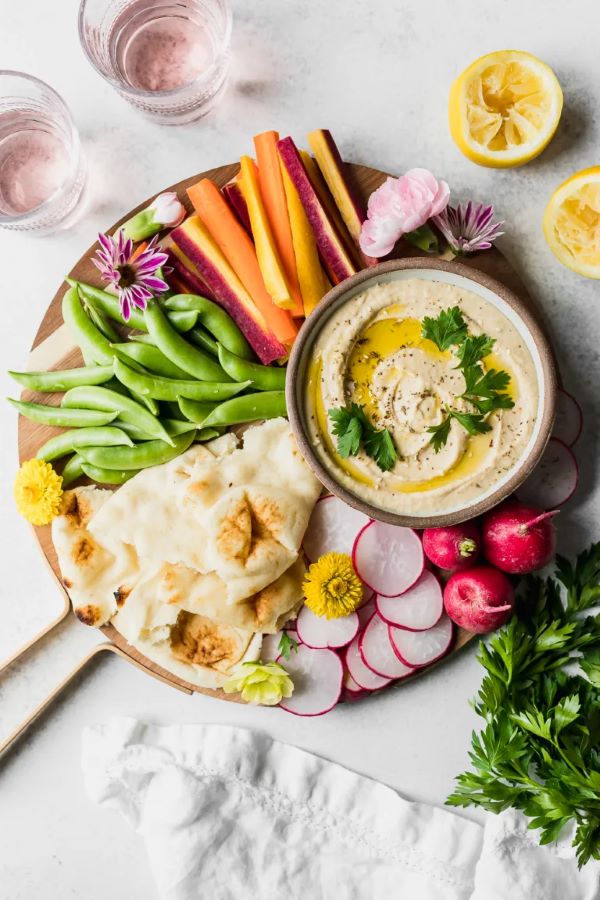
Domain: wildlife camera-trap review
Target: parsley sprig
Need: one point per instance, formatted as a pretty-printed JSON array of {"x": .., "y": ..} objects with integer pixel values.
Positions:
[
  {"x": 287, "y": 644},
  {"x": 540, "y": 748},
  {"x": 484, "y": 389},
  {"x": 354, "y": 430}
]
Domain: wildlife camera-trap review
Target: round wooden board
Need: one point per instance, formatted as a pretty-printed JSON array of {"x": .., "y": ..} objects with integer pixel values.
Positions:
[{"x": 51, "y": 349}]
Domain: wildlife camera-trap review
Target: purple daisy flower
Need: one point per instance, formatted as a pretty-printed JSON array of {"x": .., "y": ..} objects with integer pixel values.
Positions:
[
  {"x": 468, "y": 228},
  {"x": 134, "y": 280}
]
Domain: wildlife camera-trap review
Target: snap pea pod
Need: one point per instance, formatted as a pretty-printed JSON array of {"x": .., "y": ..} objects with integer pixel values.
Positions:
[
  {"x": 68, "y": 441},
  {"x": 72, "y": 470},
  {"x": 101, "y": 398},
  {"x": 73, "y": 417},
  {"x": 107, "y": 476},
  {"x": 202, "y": 338},
  {"x": 215, "y": 319},
  {"x": 195, "y": 411},
  {"x": 170, "y": 388},
  {"x": 115, "y": 385},
  {"x": 102, "y": 324},
  {"x": 142, "y": 456},
  {"x": 208, "y": 434},
  {"x": 63, "y": 379},
  {"x": 263, "y": 378},
  {"x": 171, "y": 426},
  {"x": 92, "y": 342},
  {"x": 150, "y": 357},
  {"x": 108, "y": 304},
  {"x": 194, "y": 361},
  {"x": 248, "y": 408}
]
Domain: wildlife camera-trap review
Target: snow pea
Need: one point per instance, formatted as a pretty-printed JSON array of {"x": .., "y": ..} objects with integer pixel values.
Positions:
[
  {"x": 142, "y": 456},
  {"x": 171, "y": 426},
  {"x": 63, "y": 379},
  {"x": 92, "y": 342},
  {"x": 208, "y": 434},
  {"x": 263, "y": 378},
  {"x": 194, "y": 361},
  {"x": 109, "y": 304},
  {"x": 68, "y": 441},
  {"x": 195, "y": 411},
  {"x": 102, "y": 323},
  {"x": 150, "y": 357},
  {"x": 101, "y": 398},
  {"x": 72, "y": 470},
  {"x": 215, "y": 319},
  {"x": 107, "y": 476},
  {"x": 248, "y": 408},
  {"x": 73, "y": 417},
  {"x": 202, "y": 338},
  {"x": 171, "y": 389}
]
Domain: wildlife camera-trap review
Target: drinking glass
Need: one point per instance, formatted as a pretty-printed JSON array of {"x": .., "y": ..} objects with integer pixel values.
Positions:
[
  {"x": 42, "y": 170},
  {"x": 167, "y": 57}
]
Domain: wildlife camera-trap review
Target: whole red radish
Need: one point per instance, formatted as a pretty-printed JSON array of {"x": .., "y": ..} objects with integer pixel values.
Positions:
[
  {"x": 519, "y": 539},
  {"x": 480, "y": 599},
  {"x": 455, "y": 547}
]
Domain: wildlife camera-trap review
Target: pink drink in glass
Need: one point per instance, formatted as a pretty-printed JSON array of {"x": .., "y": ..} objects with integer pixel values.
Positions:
[
  {"x": 41, "y": 168},
  {"x": 168, "y": 58}
]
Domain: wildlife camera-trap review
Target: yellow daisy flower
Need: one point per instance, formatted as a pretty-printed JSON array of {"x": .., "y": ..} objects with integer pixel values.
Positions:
[
  {"x": 38, "y": 491},
  {"x": 264, "y": 683},
  {"x": 331, "y": 586}
]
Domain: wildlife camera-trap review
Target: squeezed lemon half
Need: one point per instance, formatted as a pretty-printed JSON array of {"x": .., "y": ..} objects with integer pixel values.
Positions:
[
  {"x": 504, "y": 108},
  {"x": 572, "y": 222}
]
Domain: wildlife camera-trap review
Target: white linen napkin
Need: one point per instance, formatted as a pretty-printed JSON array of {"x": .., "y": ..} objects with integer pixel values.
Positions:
[{"x": 228, "y": 813}]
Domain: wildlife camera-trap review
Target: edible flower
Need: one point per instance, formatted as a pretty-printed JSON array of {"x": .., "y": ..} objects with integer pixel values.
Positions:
[
  {"x": 38, "y": 491},
  {"x": 134, "y": 278},
  {"x": 331, "y": 586},
  {"x": 468, "y": 228},
  {"x": 260, "y": 683},
  {"x": 400, "y": 206},
  {"x": 165, "y": 211}
]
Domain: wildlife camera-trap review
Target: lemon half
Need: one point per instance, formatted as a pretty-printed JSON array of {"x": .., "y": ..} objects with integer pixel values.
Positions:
[
  {"x": 504, "y": 108},
  {"x": 572, "y": 222}
]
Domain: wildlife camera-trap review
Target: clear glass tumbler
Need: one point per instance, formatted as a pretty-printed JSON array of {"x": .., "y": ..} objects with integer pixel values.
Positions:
[
  {"x": 167, "y": 57},
  {"x": 42, "y": 169}
]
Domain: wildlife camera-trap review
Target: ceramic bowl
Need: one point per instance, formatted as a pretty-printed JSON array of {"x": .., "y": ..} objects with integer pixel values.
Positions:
[{"x": 490, "y": 290}]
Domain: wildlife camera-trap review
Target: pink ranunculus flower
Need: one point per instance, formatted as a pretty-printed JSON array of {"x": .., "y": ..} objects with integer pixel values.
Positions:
[{"x": 399, "y": 206}]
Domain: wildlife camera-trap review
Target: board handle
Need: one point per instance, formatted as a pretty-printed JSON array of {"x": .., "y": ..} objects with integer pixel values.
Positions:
[
  {"x": 106, "y": 647},
  {"x": 40, "y": 635}
]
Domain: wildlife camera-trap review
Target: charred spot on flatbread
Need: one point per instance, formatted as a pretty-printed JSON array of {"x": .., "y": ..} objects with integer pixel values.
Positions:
[
  {"x": 89, "y": 615},
  {"x": 76, "y": 508},
  {"x": 67, "y": 583},
  {"x": 196, "y": 639},
  {"x": 83, "y": 551},
  {"x": 121, "y": 594},
  {"x": 247, "y": 526}
]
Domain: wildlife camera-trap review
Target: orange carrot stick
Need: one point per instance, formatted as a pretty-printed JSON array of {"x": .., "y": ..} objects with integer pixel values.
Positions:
[
  {"x": 274, "y": 199},
  {"x": 139, "y": 249},
  {"x": 237, "y": 247}
]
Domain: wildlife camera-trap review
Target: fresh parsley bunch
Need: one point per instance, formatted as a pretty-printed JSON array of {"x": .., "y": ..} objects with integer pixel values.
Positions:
[
  {"x": 540, "y": 699},
  {"x": 484, "y": 390}
]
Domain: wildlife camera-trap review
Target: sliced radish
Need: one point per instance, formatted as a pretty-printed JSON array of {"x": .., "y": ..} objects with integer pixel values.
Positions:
[
  {"x": 350, "y": 684},
  {"x": 361, "y": 674},
  {"x": 365, "y": 612},
  {"x": 378, "y": 653},
  {"x": 320, "y": 633},
  {"x": 332, "y": 528},
  {"x": 317, "y": 677},
  {"x": 420, "y": 648},
  {"x": 388, "y": 558},
  {"x": 417, "y": 609},
  {"x": 554, "y": 479},
  {"x": 352, "y": 696},
  {"x": 569, "y": 418},
  {"x": 270, "y": 648}
]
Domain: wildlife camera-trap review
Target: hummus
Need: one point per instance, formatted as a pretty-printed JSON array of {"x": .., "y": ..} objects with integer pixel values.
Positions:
[{"x": 371, "y": 352}]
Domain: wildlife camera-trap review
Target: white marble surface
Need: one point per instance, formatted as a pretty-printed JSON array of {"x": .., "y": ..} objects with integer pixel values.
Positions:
[{"x": 378, "y": 75}]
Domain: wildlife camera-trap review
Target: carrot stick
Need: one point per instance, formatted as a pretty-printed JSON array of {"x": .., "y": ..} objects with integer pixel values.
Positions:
[
  {"x": 274, "y": 199},
  {"x": 237, "y": 247},
  {"x": 139, "y": 249}
]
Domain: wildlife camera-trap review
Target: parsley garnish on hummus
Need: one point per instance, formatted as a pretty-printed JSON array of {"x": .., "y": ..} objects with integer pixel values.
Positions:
[
  {"x": 484, "y": 389},
  {"x": 353, "y": 430}
]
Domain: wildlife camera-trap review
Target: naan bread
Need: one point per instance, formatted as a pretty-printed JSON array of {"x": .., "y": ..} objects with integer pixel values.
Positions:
[{"x": 96, "y": 579}]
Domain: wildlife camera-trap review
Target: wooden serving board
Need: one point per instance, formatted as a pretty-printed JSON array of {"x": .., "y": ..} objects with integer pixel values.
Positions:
[{"x": 52, "y": 349}]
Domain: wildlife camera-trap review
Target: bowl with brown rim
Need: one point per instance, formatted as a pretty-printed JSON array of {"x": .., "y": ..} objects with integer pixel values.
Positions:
[{"x": 489, "y": 290}]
